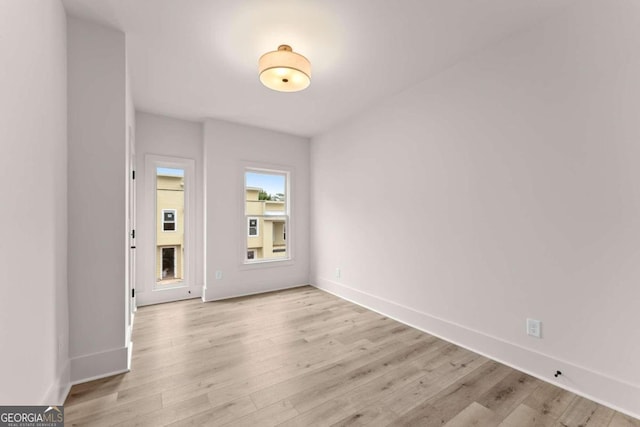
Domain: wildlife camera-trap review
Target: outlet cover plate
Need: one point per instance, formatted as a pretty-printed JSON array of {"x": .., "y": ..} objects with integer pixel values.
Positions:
[{"x": 534, "y": 328}]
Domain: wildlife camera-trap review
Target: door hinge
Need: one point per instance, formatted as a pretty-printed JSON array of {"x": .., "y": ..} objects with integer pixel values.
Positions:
[
  {"x": 133, "y": 174},
  {"x": 133, "y": 293},
  {"x": 133, "y": 234}
]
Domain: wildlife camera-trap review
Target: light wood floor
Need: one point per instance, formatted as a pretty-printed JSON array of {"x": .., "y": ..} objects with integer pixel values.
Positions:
[{"x": 302, "y": 357}]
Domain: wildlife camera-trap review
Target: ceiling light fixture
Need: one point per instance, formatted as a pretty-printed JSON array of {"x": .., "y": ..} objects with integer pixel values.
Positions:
[{"x": 284, "y": 70}]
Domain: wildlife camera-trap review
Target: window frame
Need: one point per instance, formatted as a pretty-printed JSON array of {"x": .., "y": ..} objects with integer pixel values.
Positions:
[{"x": 287, "y": 215}]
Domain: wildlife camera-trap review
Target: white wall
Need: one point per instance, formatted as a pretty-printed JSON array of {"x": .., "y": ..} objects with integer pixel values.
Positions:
[
  {"x": 505, "y": 188},
  {"x": 97, "y": 203},
  {"x": 168, "y": 137},
  {"x": 33, "y": 170},
  {"x": 228, "y": 148}
]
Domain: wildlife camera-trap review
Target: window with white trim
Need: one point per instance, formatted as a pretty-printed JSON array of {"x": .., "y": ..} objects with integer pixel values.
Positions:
[
  {"x": 168, "y": 220},
  {"x": 252, "y": 227},
  {"x": 266, "y": 210}
]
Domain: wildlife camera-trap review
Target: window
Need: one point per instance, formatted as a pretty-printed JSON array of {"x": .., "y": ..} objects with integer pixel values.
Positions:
[
  {"x": 253, "y": 227},
  {"x": 170, "y": 239},
  {"x": 168, "y": 220},
  {"x": 266, "y": 210}
]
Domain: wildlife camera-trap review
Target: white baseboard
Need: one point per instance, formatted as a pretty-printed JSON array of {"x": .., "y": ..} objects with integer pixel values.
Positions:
[
  {"x": 99, "y": 365},
  {"x": 612, "y": 392},
  {"x": 129, "y": 355},
  {"x": 167, "y": 295},
  {"x": 246, "y": 294},
  {"x": 57, "y": 393}
]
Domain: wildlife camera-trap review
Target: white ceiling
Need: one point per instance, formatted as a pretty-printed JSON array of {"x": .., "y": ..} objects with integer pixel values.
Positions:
[{"x": 194, "y": 59}]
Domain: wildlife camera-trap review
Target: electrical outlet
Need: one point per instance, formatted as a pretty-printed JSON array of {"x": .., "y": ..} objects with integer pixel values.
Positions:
[
  {"x": 218, "y": 275},
  {"x": 338, "y": 272},
  {"x": 534, "y": 328}
]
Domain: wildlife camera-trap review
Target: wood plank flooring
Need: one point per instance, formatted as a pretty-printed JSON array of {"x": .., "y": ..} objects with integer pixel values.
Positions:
[{"x": 302, "y": 357}]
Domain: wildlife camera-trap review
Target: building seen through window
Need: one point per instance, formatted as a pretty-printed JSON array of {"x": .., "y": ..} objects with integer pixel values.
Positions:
[
  {"x": 169, "y": 227},
  {"x": 267, "y": 215}
]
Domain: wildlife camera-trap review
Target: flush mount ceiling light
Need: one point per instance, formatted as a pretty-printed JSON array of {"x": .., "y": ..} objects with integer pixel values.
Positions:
[{"x": 284, "y": 70}]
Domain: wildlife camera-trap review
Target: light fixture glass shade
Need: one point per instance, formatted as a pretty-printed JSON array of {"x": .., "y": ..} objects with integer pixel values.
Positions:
[{"x": 284, "y": 70}]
